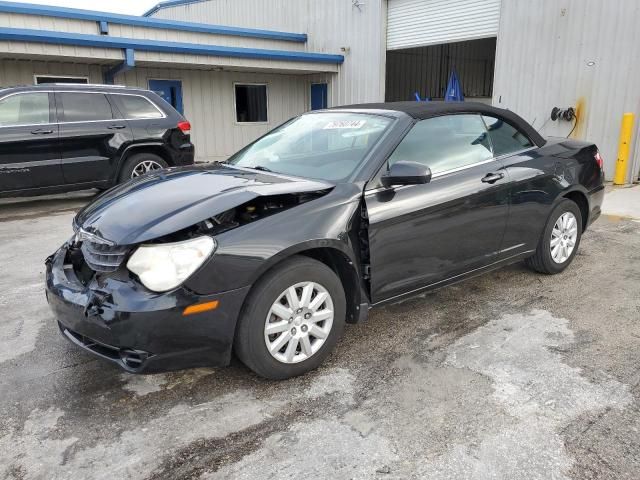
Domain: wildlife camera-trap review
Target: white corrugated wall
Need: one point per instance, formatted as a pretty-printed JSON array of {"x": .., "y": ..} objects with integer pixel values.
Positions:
[
  {"x": 209, "y": 105},
  {"x": 22, "y": 72},
  {"x": 332, "y": 26},
  {"x": 416, "y": 23},
  {"x": 571, "y": 53}
]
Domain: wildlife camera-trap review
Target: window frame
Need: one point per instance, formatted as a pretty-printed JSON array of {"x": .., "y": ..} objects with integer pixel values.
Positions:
[
  {"x": 60, "y": 108},
  {"x": 61, "y": 77},
  {"x": 115, "y": 107},
  {"x": 235, "y": 108},
  {"x": 52, "y": 112},
  {"x": 373, "y": 185},
  {"x": 508, "y": 154}
]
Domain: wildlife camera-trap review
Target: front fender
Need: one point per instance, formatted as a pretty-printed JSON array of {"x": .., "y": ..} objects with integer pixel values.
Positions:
[{"x": 247, "y": 252}]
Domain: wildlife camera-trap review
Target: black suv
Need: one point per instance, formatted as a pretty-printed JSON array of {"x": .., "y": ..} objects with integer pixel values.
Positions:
[{"x": 58, "y": 137}]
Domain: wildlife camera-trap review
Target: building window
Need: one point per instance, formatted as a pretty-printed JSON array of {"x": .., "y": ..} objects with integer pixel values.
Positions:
[
  {"x": 251, "y": 103},
  {"x": 41, "y": 79}
]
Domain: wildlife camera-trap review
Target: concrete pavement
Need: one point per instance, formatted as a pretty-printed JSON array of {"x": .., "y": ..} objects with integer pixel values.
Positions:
[{"x": 508, "y": 375}]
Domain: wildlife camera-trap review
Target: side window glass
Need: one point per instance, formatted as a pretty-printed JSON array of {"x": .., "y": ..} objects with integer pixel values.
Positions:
[
  {"x": 24, "y": 109},
  {"x": 133, "y": 107},
  {"x": 505, "y": 138},
  {"x": 445, "y": 143},
  {"x": 83, "y": 107}
]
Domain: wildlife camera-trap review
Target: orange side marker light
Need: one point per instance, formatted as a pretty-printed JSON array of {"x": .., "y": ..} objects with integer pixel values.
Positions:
[{"x": 200, "y": 307}]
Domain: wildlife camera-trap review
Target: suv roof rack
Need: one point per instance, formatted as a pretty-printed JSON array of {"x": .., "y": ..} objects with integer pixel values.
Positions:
[{"x": 66, "y": 84}]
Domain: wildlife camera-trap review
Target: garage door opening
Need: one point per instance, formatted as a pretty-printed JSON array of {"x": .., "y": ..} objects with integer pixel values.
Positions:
[{"x": 426, "y": 70}]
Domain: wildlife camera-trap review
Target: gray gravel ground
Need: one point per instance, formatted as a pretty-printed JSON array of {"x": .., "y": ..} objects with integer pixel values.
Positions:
[{"x": 511, "y": 375}]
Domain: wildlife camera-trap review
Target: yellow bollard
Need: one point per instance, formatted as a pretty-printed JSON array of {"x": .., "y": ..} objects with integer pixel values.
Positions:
[{"x": 620, "y": 177}]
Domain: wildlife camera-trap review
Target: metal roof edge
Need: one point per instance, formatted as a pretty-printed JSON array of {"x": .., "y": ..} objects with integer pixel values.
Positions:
[
  {"x": 144, "y": 21},
  {"x": 106, "y": 41},
  {"x": 167, "y": 4}
]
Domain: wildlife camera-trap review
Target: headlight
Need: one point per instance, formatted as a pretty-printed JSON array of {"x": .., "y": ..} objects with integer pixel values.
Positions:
[{"x": 164, "y": 266}]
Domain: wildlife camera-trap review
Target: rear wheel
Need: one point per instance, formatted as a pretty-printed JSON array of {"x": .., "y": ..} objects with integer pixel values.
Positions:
[
  {"x": 560, "y": 240},
  {"x": 139, "y": 164},
  {"x": 291, "y": 320}
]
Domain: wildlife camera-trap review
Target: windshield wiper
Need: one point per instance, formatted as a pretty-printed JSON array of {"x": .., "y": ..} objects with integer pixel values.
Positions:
[{"x": 261, "y": 168}]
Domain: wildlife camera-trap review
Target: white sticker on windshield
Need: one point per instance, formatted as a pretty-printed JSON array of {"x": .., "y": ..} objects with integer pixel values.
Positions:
[{"x": 345, "y": 124}]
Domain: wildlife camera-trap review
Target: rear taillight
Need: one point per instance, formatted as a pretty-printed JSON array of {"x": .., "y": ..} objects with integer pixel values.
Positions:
[
  {"x": 185, "y": 127},
  {"x": 599, "y": 160}
]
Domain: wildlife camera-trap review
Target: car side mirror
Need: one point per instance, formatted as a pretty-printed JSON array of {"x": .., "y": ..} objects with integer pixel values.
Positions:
[{"x": 406, "y": 173}]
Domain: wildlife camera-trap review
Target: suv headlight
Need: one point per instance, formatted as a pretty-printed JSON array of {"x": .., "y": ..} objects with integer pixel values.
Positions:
[{"x": 164, "y": 266}]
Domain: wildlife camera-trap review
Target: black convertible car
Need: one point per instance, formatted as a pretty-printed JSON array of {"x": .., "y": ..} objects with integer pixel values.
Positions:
[{"x": 269, "y": 254}]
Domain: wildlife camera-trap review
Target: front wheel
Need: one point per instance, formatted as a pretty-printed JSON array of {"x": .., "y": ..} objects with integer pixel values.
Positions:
[
  {"x": 291, "y": 320},
  {"x": 560, "y": 240}
]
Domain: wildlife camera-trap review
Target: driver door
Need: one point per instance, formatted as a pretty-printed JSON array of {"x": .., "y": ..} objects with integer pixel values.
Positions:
[{"x": 420, "y": 235}]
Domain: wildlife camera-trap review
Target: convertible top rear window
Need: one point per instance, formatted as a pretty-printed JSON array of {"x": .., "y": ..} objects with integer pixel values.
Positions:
[{"x": 328, "y": 146}]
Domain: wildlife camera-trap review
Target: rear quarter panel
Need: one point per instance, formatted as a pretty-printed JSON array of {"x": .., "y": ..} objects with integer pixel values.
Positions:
[{"x": 540, "y": 178}]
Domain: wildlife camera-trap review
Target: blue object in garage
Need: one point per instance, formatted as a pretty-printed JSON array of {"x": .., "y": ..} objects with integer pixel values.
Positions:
[
  {"x": 454, "y": 89},
  {"x": 318, "y": 96},
  {"x": 170, "y": 90}
]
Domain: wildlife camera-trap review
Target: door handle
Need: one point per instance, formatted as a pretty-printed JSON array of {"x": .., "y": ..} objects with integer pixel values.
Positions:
[
  {"x": 41, "y": 131},
  {"x": 116, "y": 127},
  {"x": 492, "y": 177}
]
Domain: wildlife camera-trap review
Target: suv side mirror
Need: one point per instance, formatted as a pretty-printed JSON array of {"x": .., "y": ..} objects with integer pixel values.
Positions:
[{"x": 406, "y": 173}]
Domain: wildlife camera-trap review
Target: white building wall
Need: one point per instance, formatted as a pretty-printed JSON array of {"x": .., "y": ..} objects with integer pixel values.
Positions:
[
  {"x": 209, "y": 105},
  {"x": 580, "y": 53},
  {"x": 35, "y": 22},
  {"x": 22, "y": 72},
  {"x": 113, "y": 55},
  {"x": 331, "y": 25}
]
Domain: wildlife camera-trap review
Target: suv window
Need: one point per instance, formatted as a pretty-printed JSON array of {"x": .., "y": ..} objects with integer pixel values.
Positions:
[
  {"x": 445, "y": 143},
  {"x": 505, "y": 138},
  {"x": 135, "y": 106},
  {"x": 24, "y": 109},
  {"x": 82, "y": 107}
]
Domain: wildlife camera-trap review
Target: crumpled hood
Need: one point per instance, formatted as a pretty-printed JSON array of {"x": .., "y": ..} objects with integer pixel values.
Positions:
[{"x": 158, "y": 204}]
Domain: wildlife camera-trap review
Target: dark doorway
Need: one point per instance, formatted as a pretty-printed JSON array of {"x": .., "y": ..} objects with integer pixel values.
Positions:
[{"x": 426, "y": 70}]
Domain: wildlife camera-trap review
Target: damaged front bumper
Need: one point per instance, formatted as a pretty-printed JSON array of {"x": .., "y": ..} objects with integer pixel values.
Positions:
[{"x": 117, "y": 319}]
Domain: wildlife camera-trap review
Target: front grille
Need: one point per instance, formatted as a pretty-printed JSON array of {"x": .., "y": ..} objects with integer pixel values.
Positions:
[{"x": 103, "y": 258}]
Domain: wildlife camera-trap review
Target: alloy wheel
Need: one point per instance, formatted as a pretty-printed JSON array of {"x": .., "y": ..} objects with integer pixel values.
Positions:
[
  {"x": 145, "y": 166},
  {"x": 299, "y": 322},
  {"x": 563, "y": 237}
]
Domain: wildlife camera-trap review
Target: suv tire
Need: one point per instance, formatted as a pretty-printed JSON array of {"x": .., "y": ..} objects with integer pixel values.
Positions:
[{"x": 140, "y": 163}]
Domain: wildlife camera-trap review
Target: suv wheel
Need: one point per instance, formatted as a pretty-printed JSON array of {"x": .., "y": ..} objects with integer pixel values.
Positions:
[
  {"x": 139, "y": 164},
  {"x": 291, "y": 320}
]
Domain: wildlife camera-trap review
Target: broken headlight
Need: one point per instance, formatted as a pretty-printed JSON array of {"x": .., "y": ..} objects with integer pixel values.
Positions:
[{"x": 164, "y": 266}]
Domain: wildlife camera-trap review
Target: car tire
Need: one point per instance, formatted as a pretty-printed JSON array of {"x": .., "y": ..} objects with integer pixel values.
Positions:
[
  {"x": 139, "y": 162},
  {"x": 564, "y": 227},
  {"x": 251, "y": 340}
]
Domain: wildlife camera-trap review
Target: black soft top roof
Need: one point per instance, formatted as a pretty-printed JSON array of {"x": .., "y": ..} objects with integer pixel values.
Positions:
[{"x": 422, "y": 110}]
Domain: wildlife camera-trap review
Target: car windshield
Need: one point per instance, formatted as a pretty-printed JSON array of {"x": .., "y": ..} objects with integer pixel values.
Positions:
[{"x": 327, "y": 146}]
